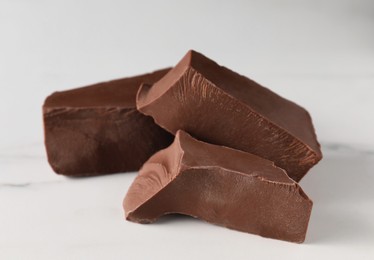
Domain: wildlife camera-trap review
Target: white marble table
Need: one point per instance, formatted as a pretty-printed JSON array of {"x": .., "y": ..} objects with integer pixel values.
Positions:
[
  {"x": 319, "y": 54},
  {"x": 45, "y": 216}
]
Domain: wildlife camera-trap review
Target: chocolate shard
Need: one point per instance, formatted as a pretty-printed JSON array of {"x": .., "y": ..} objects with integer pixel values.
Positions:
[
  {"x": 97, "y": 130},
  {"x": 219, "y": 106},
  {"x": 222, "y": 186}
]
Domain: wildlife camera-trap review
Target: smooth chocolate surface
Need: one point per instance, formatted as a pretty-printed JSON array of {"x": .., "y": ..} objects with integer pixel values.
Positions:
[
  {"x": 222, "y": 107},
  {"x": 97, "y": 129},
  {"x": 222, "y": 186}
]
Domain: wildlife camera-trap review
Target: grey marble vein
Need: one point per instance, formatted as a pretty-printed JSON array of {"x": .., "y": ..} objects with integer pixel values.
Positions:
[{"x": 26, "y": 184}]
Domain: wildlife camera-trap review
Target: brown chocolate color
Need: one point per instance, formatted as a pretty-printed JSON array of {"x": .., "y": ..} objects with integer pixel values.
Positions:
[
  {"x": 219, "y": 106},
  {"x": 97, "y": 130},
  {"x": 222, "y": 186}
]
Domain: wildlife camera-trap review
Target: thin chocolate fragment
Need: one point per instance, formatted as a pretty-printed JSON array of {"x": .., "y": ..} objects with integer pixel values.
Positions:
[
  {"x": 219, "y": 106},
  {"x": 97, "y": 130},
  {"x": 222, "y": 186}
]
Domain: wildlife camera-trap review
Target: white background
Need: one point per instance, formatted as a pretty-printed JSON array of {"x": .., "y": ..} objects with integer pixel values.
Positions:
[{"x": 317, "y": 53}]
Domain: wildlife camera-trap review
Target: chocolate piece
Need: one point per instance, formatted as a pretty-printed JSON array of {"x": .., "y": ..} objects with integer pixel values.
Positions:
[
  {"x": 97, "y": 129},
  {"x": 222, "y": 107},
  {"x": 220, "y": 185}
]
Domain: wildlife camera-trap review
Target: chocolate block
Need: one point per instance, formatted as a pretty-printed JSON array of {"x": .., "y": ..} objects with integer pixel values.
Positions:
[
  {"x": 97, "y": 130},
  {"x": 222, "y": 186},
  {"x": 219, "y": 106}
]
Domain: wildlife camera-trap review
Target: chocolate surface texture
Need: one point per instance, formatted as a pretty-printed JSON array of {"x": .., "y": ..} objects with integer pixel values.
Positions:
[
  {"x": 97, "y": 130},
  {"x": 219, "y": 106},
  {"x": 222, "y": 186}
]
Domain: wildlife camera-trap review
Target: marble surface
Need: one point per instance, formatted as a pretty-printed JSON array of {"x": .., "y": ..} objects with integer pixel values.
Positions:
[
  {"x": 46, "y": 216},
  {"x": 317, "y": 53}
]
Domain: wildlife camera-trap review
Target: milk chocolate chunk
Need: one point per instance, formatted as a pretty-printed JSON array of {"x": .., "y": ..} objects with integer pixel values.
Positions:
[
  {"x": 97, "y": 130},
  {"x": 222, "y": 107},
  {"x": 222, "y": 186}
]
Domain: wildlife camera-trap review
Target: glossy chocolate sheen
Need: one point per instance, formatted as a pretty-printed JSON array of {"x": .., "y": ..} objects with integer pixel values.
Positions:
[
  {"x": 222, "y": 186},
  {"x": 222, "y": 107},
  {"x": 97, "y": 130}
]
